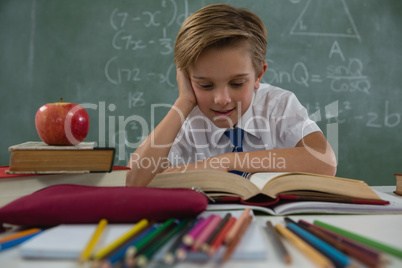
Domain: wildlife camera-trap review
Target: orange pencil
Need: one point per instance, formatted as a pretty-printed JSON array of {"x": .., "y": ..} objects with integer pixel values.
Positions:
[
  {"x": 19, "y": 234},
  {"x": 217, "y": 242},
  {"x": 235, "y": 241},
  {"x": 236, "y": 227}
]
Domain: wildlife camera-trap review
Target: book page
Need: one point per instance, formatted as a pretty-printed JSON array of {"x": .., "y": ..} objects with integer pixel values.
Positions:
[
  {"x": 39, "y": 145},
  {"x": 262, "y": 178},
  {"x": 230, "y": 207},
  {"x": 395, "y": 206}
]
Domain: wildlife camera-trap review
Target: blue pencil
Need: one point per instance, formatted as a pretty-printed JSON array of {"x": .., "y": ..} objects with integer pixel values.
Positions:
[
  {"x": 15, "y": 242},
  {"x": 338, "y": 258}
]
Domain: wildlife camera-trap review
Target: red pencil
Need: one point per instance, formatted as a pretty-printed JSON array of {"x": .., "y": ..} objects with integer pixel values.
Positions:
[{"x": 217, "y": 242}]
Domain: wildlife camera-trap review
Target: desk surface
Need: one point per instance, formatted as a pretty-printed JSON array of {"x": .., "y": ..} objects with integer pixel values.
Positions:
[{"x": 384, "y": 228}]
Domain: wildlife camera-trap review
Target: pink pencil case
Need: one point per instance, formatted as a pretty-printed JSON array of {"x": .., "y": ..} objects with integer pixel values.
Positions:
[{"x": 68, "y": 204}]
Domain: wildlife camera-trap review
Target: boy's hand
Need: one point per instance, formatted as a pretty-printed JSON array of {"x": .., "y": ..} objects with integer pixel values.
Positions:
[
  {"x": 186, "y": 91},
  {"x": 211, "y": 163}
]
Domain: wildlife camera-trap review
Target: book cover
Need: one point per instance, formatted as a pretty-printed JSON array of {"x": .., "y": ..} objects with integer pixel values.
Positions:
[{"x": 38, "y": 157}]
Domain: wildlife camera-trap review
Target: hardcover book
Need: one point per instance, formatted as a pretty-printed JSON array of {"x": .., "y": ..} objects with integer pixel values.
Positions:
[
  {"x": 270, "y": 186},
  {"x": 38, "y": 157}
]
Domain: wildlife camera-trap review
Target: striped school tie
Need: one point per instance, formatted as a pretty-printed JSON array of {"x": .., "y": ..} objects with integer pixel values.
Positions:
[{"x": 236, "y": 136}]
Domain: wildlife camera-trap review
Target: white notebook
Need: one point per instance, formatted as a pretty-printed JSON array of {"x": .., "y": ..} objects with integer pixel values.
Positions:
[{"x": 68, "y": 241}]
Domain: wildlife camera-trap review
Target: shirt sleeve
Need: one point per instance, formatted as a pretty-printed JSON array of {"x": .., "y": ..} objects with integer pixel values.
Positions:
[
  {"x": 292, "y": 120},
  {"x": 180, "y": 153}
]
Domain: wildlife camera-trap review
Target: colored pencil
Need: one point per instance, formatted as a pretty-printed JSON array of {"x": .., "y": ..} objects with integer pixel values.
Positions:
[
  {"x": 236, "y": 227},
  {"x": 19, "y": 234},
  {"x": 190, "y": 237},
  {"x": 132, "y": 251},
  {"x": 118, "y": 254},
  {"x": 181, "y": 252},
  {"x": 206, "y": 232},
  {"x": 337, "y": 257},
  {"x": 340, "y": 244},
  {"x": 218, "y": 241},
  {"x": 206, "y": 245},
  {"x": 305, "y": 248},
  {"x": 278, "y": 243},
  {"x": 374, "y": 253},
  {"x": 11, "y": 243},
  {"x": 86, "y": 253},
  {"x": 362, "y": 239},
  {"x": 237, "y": 238},
  {"x": 100, "y": 254},
  {"x": 169, "y": 257},
  {"x": 143, "y": 259}
]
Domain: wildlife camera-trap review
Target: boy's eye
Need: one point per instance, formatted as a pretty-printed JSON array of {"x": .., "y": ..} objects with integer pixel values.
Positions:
[
  {"x": 206, "y": 86},
  {"x": 237, "y": 84}
]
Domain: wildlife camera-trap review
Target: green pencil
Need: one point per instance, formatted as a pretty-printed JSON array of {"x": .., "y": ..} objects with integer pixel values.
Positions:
[
  {"x": 364, "y": 240},
  {"x": 132, "y": 251},
  {"x": 143, "y": 258}
]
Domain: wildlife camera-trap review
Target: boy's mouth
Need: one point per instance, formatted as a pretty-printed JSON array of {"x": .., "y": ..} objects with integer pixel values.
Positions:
[{"x": 223, "y": 113}]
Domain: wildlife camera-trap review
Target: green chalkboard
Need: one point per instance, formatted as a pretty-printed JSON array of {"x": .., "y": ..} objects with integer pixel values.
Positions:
[{"x": 341, "y": 59}]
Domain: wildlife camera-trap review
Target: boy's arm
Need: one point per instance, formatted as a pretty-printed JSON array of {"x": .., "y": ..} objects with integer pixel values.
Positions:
[
  {"x": 155, "y": 148},
  {"x": 311, "y": 154}
]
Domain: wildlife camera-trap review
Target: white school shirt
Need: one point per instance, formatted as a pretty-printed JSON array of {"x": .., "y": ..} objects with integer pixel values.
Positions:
[{"x": 274, "y": 120}]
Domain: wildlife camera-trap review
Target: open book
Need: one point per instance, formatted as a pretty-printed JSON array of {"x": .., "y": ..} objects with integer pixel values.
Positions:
[
  {"x": 269, "y": 188},
  {"x": 302, "y": 207}
]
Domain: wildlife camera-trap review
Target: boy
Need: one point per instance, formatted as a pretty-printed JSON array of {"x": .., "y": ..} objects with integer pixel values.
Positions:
[{"x": 220, "y": 57}]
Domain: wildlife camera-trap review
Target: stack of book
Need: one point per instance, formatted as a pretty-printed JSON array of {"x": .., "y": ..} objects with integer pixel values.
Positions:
[
  {"x": 38, "y": 157},
  {"x": 36, "y": 165},
  {"x": 398, "y": 189}
]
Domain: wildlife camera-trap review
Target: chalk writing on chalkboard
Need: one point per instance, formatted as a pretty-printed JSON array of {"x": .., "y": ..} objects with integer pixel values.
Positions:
[
  {"x": 309, "y": 22},
  {"x": 387, "y": 116}
]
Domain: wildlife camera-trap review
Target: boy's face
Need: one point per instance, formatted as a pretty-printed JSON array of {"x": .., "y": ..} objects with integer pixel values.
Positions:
[{"x": 223, "y": 81}]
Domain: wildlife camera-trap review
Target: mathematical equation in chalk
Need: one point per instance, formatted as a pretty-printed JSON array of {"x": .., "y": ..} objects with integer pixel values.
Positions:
[
  {"x": 387, "y": 115},
  {"x": 131, "y": 34},
  {"x": 118, "y": 72},
  {"x": 340, "y": 78}
]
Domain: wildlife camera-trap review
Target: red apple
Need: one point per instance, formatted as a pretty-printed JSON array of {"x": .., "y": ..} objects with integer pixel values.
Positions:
[{"x": 62, "y": 123}]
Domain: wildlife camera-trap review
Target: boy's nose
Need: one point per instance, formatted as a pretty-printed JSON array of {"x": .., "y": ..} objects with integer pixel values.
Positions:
[{"x": 222, "y": 96}]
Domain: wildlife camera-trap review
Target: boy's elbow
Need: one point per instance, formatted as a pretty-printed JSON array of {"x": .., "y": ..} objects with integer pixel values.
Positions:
[
  {"x": 331, "y": 170},
  {"x": 139, "y": 177},
  {"x": 330, "y": 164},
  {"x": 134, "y": 181}
]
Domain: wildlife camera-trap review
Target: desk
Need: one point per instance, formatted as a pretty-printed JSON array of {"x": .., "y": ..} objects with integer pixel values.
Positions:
[{"x": 385, "y": 228}]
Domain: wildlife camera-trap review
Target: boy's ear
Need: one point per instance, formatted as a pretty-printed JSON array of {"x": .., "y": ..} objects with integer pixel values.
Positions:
[{"x": 260, "y": 75}]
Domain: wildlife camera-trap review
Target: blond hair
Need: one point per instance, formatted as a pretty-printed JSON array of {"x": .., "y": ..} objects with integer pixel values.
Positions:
[{"x": 220, "y": 26}]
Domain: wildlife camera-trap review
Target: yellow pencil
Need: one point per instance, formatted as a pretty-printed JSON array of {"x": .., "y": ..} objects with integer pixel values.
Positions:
[
  {"x": 305, "y": 248},
  {"x": 103, "y": 252},
  {"x": 86, "y": 253}
]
